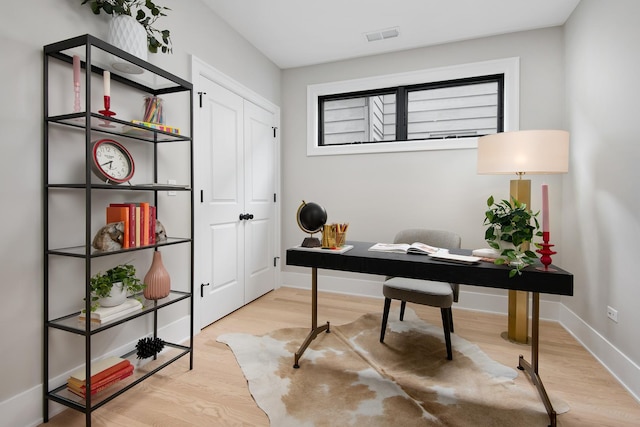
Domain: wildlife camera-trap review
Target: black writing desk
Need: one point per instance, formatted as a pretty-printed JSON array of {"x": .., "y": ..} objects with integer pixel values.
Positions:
[{"x": 361, "y": 260}]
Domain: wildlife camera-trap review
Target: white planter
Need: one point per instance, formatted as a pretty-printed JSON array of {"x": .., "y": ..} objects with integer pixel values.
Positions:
[
  {"x": 127, "y": 34},
  {"x": 118, "y": 296}
]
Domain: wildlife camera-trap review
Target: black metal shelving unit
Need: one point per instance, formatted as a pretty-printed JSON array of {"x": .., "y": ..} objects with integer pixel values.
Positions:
[{"x": 153, "y": 81}]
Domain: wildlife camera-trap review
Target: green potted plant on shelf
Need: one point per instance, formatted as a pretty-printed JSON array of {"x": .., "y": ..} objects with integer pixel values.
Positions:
[
  {"x": 146, "y": 13},
  {"x": 112, "y": 287},
  {"x": 510, "y": 231}
]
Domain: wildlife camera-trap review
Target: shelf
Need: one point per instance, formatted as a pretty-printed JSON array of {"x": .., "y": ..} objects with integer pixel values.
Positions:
[
  {"x": 70, "y": 323},
  {"x": 173, "y": 352},
  {"x": 80, "y": 251},
  {"x": 132, "y": 76},
  {"x": 120, "y": 187},
  {"x": 113, "y": 126}
]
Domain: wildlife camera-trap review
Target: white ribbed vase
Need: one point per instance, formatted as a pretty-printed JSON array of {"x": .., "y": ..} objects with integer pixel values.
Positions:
[{"x": 127, "y": 34}]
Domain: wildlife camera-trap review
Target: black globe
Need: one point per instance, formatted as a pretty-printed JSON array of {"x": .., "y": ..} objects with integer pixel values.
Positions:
[{"x": 311, "y": 217}]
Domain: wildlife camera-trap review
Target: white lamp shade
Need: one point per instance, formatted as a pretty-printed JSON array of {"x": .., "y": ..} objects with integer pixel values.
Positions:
[{"x": 527, "y": 151}]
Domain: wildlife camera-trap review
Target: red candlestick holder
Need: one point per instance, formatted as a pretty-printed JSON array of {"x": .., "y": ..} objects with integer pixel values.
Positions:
[
  {"x": 107, "y": 104},
  {"x": 546, "y": 252}
]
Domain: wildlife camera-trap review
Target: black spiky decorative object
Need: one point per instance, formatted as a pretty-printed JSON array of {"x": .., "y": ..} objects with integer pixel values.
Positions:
[{"x": 148, "y": 347}]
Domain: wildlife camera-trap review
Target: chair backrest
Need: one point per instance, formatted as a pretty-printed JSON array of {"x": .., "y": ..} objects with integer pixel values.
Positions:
[{"x": 437, "y": 238}]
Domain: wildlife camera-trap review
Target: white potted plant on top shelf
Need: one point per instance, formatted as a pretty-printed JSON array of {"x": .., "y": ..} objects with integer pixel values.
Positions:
[{"x": 134, "y": 17}]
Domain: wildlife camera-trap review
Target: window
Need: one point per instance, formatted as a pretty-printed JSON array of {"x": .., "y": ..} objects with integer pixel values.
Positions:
[{"x": 447, "y": 108}]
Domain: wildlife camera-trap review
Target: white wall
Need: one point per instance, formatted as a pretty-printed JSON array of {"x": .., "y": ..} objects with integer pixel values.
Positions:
[
  {"x": 601, "y": 219},
  {"x": 27, "y": 27},
  {"x": 586, "y": 84},
  {"x": 379, "y": 194}
]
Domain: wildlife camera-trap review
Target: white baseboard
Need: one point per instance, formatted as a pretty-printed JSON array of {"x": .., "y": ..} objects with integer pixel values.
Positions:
[
  {"x": 25, "y": 409},
  {"x": 617, "y": 363}
]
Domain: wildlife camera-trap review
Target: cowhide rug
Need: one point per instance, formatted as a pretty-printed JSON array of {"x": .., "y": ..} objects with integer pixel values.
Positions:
[{"x": 348, "y": 378}]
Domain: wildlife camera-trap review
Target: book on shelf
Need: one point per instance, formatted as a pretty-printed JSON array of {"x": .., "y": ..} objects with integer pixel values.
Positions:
[
  {"x": 100, "y": 369},
  {"x": 144, "y": 223},
  {"x": 111, "y": 317},
  {"x": 129, "y": 224},
  {"x": 104, "y": 312},
  {"x": 405, "y": 248},
  {"x": 140, "y": 223},
  {"x": 96, "y": 386},
  {"x": 117, "y": 214},
  {"x": 157, "y": 126}
]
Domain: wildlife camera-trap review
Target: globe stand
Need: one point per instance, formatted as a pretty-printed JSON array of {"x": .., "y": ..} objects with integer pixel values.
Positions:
[
  {"x": 311, "y": 242},
  {"x": 311, "y": 218}
]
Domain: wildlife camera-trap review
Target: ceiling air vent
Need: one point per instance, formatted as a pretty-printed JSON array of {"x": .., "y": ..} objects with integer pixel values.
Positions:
[{"x": 382, "y": 34}]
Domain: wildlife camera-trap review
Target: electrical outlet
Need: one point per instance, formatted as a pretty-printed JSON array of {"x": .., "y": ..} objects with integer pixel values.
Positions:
[
  {"x": 171, "y": 182},
  {"x": 612, "y": 314}
]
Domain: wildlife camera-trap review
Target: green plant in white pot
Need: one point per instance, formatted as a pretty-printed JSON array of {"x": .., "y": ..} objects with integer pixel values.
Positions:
[
  {"x": 112, "y": 287},
  {"x": 145, "y": 12},
  {"x": 509, "y": 232}
]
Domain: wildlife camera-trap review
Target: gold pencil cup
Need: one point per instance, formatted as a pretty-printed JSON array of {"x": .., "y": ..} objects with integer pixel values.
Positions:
[{"x": 329, "y": 236}]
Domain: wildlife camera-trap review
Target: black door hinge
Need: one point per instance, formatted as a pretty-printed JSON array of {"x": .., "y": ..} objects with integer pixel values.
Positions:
[
  {"x": 274, "y": 197},
  {"x": 275, "y": 261},
  {"x": 274, "y": 130}
]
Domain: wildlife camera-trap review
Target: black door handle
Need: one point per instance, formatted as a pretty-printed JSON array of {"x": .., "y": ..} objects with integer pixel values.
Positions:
[
  {"x": 246, "y": 216},
  {"x": 202, "y": 285}
]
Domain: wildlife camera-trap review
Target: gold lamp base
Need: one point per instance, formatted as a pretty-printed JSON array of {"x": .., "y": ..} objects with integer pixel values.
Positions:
[{"x": 518, "y": 324}]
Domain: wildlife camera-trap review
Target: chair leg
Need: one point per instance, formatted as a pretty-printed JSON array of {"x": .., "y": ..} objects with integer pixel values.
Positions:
[
  {"x": 385, "y": 317},
  {"x": 451, "y": 318},
  {"x": 403, "y": 305},
  {"x": 446, "y": 323}
]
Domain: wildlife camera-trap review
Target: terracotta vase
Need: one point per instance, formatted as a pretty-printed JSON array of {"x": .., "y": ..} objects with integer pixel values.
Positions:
[{"x": 157, "y": 279}]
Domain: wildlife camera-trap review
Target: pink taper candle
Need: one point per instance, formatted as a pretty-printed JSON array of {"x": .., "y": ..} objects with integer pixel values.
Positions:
[
  {"x": 545, "y": 208},
  {"x": 106, "y": 77},
  {"x": 76, "y": 70}
]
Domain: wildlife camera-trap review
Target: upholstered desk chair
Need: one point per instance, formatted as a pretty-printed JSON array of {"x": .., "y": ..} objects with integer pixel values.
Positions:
[{"x": 425, "y": 292}]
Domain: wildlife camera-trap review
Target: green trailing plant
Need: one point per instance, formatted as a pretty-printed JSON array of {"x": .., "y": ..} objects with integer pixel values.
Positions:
[
  {"x": 102, "y": 283},
  {"x": 146, "y": 13},
  {"x": 510, "y": 222}
]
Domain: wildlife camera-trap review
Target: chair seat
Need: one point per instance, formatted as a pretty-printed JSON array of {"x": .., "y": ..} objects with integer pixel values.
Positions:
[{"x": 426, "y": 292}]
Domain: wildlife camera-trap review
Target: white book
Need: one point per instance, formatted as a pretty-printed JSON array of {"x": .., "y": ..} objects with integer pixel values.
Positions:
[
  {"x": 405, "y": 248},
  {"x": 102, "y": 312},
  {"x": 114, "y": 316}
]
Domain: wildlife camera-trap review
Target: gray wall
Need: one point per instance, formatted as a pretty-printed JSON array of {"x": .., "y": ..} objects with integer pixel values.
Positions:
[
  {"x": 29, "y": 26},
  {"x": 379, "y": 194},
  {"x": 601, "y": 219}
]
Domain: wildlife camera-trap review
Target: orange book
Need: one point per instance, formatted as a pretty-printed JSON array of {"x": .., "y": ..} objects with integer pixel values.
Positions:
[
  {"x": 144, "y": 223},
  {"x": 117, "y": 214}
]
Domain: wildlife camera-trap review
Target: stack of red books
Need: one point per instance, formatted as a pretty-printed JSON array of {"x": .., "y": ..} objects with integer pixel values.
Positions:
[{"x": 104, "y": 374}]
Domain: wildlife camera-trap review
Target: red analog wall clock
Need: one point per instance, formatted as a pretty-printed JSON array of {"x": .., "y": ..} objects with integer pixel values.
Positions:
[{"x": 111, "y": 161}]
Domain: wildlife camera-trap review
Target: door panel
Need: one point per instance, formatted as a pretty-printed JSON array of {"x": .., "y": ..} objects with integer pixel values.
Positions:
[
  {"x": 220, "y": 162},
  {"x": 259, "y": 160}
]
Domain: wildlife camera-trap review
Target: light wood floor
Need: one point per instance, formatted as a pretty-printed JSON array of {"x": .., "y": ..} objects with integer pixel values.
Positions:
[{"x": 215, "y": 392}]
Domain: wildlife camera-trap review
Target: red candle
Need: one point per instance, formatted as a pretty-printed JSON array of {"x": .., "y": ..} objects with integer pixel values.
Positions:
[{"x": 545, "y": 208}]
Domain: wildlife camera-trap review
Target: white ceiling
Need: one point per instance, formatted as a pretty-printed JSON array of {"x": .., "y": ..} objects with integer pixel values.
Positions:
[{"x": 295, "y": 33}]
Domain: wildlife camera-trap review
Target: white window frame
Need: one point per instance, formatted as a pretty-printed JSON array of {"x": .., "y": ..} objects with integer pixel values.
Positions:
[{"x": 510, "y": 67}]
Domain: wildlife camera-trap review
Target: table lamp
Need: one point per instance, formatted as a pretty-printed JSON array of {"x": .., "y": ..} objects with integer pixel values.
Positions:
[{"x": 520, "y": 153}]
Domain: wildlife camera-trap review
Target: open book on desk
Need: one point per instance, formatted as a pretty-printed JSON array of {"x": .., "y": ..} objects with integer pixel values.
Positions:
[{"x": 405, "y": 248}]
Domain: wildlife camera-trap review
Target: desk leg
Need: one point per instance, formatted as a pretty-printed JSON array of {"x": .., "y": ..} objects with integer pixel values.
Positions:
[
  {"x": 532, "y": 368},
  {"x": 315, "y": 330}
]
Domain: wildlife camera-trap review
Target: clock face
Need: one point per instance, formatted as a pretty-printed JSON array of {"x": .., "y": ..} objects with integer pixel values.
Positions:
[{"x": 112, "y": 162}]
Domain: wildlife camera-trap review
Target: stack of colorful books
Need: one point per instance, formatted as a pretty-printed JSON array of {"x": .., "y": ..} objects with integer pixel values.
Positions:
[
  {"x": 139, "y": 221},
  {"x": 104, "y": 374},
  {"x": 103, "y": 315}
]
